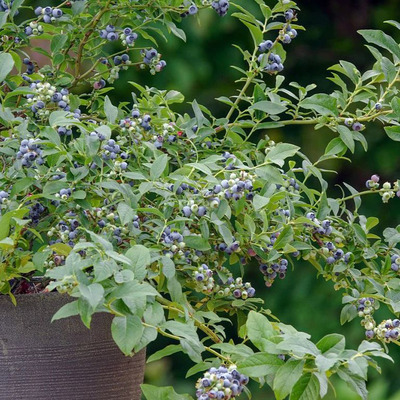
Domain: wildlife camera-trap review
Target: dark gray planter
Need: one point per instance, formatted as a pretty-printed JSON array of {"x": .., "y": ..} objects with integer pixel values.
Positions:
[{"x": 62, "y": 360}]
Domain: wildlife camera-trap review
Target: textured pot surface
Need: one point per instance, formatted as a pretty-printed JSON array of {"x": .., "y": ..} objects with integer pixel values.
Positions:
[{"x": 62, "y": 360}]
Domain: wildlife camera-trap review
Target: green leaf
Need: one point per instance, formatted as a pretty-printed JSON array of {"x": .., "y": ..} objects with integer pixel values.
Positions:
[
  {"x": 333, "y": 343},
  {"x": 158, "y": 166},
  {"x": 20, "y": 185},
  {"x": 133, "y": 289},
  {"x": 140, "y": 257},
  {"x": 162, "y": 393},
  {"x": 259, "y": 329},
  {"x": 381, "y": 39},
  {"x": 93, "y": 294},
  {"x": 298, "y": 344},
  {"x": 197, "y": 243},
  {"x": 110, "y": 110},
  {"x": 285, "y": 237},
  {"x": 67, "y": 310},
  {"x": 165, "y": 352},
  {"x": 269, "y": 107},
  {"x": 6, "y": 243},
  {"x": 260, "y": 365},
  {"x": 176, "y": 31},
  {"x": 168, "y": 267},
  {"x": 58, "y": 42},
  {"x": 355, "y": 383},
  {"x": 174, "y": 96},
  {"x": 6, "y": 65},
  {"x": 3, "y": 18},
  {"x": 286, "y": 377},
  {"x": 125, "y": 213},
  {"x": 126, "y": 332},
  {"x": 306, "y": 388},
  {"x": 349, "y": 312},
  {"x": 393, "y": 132},
  {"x": 393, "y": 23},
  {"x": 255, "y": 31},
  {"x": 280, "y": 152},
  {"x": 347, "y": 137},
  {"x": 334, "y": 147},
  {"x": 260, "y": 202},
  {"x": 190, "y": 340},
  {"x": 321, "y": 103}
]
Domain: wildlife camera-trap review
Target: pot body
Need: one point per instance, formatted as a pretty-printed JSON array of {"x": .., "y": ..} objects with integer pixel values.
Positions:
[{"x": 62, "y": 360}]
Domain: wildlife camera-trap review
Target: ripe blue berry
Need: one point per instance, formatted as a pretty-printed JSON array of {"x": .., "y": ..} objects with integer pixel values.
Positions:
[{"x": 193, "y": 9}]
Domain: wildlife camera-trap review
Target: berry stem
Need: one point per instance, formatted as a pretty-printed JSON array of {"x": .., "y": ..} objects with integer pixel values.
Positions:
[{"x": 91, "y": 27}]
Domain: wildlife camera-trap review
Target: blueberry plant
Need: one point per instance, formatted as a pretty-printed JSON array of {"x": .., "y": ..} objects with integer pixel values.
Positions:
[{"x": 157, "y": 217}]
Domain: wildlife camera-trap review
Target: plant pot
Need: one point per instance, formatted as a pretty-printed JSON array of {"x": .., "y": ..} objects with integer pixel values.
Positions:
[{"x": 62, "y": 360}]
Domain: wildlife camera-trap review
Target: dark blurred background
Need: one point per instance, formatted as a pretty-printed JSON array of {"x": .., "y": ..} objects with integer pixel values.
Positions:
[{"x": 201, "y": 69}]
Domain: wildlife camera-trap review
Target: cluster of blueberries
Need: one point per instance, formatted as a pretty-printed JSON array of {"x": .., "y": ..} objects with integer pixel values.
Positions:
[
  {"x": 192, "y": 10},
  {"x": 3, "y": 196},
  {"x": 127, "y": 35},
  {"x": 239, "y": 289},
  {"x": 395, "y": 259},
  {"x": 170, "y": 238},
  {"x": 33, "y": 29},
  {"x": 274, "y": 62},
  {"x": 63, "y": 131},
  {"x": 153, "y": 59},
  {"x": 109, "y": 33},
  {"x": 29, "y": 153},
  {"x": 288, "y": 34},
  {"x": 64, "y": 194},
  {"x": 289, "y": 185},
  {"x": 388, "y": 330},
  {"x": 356, "y": 126},
  {"x": 35, "y": 212},
  {"x": 106, "y": 219},
  {"x": 325, "y": 228},
  {"x": 335, "y": 254},
  {"x": 50, "y": 14},
  {"x": 46, "y": 93},
  {"x": 274, "y": 270},
  {"x": 228, "y": 249},
  {"x": 365, "y": 309},
  {"x": 111, "y": 150},
  {"x": 123, "y": 59},
  {"x": 389, "y": 192},
  {"x": 30, "y": 66},
  {"x": 67, "y": 231},
  {"x": 6, "y": 5},
  {"x": 223, "y": 383},
  {"x": 97, "y": 135},
  {"x": 373, "y": 182},
  {"x": 203, "y": 276},
  {"x": 120, "y": 62},
  {"x": 58, "y": 175},
  {"x": 220, "y": 6},
  {"x": 205, "y": 283},
  {"x": 100, "y": 84},
  {"x": 139, "y": 124}
]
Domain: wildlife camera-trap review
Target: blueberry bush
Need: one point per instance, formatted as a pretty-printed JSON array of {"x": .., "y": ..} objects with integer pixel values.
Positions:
[{"x": 156, "y": 216}]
